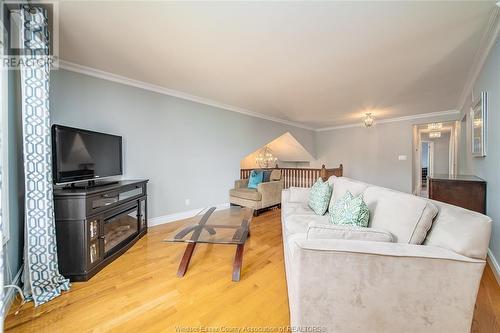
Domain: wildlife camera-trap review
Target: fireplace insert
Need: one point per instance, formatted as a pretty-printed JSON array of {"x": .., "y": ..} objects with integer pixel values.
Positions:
[{"x": 119, "y": 229}]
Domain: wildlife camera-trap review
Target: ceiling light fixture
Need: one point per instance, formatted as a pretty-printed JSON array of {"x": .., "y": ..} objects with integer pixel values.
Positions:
[
  {"x": 265, "y": 158},
  {"x": 435, "y": 126},
  {"x": 368, "y": 119},
  {"x": 434, "y": 135}
]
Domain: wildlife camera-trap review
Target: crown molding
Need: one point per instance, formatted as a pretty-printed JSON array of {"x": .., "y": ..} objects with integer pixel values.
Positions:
[
  {"x": 89, "y": 71},
  {"x": 393, "y": 120},
  {"x": 487, "y": 42},
  {"x": 69, "y": 66}
]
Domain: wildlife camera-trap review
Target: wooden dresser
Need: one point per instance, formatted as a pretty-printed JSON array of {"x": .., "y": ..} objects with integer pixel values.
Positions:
[{"x": 460, "y": 190}]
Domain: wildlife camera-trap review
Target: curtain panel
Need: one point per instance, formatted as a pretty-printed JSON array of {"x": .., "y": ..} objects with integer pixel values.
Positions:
[{"x": 42, "y": 281}]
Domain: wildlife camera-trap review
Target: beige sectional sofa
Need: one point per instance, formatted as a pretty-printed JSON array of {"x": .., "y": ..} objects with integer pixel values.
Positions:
[{"x": 418, "y": 268}]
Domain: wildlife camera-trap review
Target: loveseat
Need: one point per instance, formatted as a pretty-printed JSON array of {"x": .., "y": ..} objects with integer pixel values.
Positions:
[
  {"x": 417, "y": 270},
  {"x": 266, "y": 195}
]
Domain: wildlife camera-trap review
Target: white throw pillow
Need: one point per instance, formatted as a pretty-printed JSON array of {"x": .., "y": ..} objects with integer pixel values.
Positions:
[{"x": 348, "y": 232}]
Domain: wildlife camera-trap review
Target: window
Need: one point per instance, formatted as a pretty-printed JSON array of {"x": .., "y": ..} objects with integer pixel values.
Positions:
[{"x": 4, "y": 151}]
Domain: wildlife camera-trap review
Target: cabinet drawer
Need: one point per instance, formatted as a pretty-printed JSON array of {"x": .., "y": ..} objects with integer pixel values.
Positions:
[{"x": 107, "y": 200}]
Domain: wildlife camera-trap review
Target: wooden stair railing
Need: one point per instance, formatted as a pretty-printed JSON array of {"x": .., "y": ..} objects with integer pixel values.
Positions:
[{"x": 300, "y": 177}]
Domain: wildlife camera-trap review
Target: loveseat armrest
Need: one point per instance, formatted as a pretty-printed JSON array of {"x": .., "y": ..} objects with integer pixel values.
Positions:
[
  {"x": 241, "y": 183},
  {"x": 271, "y": 192},
  {"x": 391, "y": 287}
]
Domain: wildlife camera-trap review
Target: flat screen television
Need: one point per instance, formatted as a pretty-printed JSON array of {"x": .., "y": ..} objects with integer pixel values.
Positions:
[{"x": 82, "y": 155}]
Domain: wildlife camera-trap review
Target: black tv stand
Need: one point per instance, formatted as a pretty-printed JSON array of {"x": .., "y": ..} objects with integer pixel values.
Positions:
[
  {"x": 94, "y": 226},
  {"x": 89, "y": 184}
]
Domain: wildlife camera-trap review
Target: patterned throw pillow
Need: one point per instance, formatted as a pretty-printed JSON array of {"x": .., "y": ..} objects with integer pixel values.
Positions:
[
  {"x": 255, "y": 178},
  {"x": 350, "y": 210},
  {"x": 319, "y": 196}
]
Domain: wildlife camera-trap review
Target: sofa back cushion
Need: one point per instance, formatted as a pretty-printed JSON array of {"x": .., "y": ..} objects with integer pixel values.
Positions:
[
  {"x": 460, "y": 230},
  {"x": 343, "y": 184},
  {"x": 275, "y": 175},
  {"x": 267, "y": 175},
  {"x": 407, "y": 217}
]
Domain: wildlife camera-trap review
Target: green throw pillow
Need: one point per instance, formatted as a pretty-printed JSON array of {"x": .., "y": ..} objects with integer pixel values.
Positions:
[
  {"x": 319, "y": 196},
  {"x": 350, "y": 210}
]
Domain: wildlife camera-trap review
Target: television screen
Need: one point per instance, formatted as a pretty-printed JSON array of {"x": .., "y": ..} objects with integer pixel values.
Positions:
[{"x": 84, "y": 155}]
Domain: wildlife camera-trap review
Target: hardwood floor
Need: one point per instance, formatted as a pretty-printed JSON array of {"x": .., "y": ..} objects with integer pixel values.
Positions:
[{"x": 139, "y": 292}]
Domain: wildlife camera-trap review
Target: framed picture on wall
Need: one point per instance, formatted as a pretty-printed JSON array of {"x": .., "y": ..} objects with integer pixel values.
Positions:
[{"x": 479, "y": 125}]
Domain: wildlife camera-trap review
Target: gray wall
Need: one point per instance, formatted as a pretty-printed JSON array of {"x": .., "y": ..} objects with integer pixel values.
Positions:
[
  {"x": 371, "y": 154},
  {"x": 487, "y": 167},
  {"x": 187, "y": 150}
]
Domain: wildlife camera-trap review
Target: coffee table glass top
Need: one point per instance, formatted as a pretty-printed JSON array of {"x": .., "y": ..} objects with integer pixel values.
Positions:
[{"x": 224, "y": 226}]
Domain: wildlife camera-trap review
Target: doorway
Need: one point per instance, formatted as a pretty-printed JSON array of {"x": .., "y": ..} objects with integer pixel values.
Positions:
[
  {"x": 427, "y": 166},
  {"x": 435, "y": 153}
]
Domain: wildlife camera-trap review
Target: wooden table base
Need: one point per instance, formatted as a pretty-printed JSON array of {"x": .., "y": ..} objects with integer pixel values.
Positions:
[
  {"x": 238, "y": 262},
  {"x": 188, "y": 253},
  {"x": 241, "y": 234},
  {"x": 186, "y": 258}
]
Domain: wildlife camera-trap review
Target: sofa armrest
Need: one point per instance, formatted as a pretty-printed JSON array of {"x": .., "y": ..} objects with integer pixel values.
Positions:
[
  {"x": 241, "y": 183},
  {"x": 390, "y": 287},
  {"x": 271, "y": 192}
]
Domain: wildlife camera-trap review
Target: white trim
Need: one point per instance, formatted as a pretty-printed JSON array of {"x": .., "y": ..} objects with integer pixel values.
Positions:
[
  {"x": 11, "y": 292},
  {"x": 393, "y": 120},
  {"x": 180, "y": 215},
  {"x": 69, "y": 66},
  {"x": 495, "y": 267},
  {"x": 487, "y": 42}
]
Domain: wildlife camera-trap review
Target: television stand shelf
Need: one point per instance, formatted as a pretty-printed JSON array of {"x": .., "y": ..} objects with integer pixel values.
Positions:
[{"x": 95, "y": 225}]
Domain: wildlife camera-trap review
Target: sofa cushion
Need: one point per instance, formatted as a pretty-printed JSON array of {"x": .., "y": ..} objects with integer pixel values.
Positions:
[
  {"x": 330, "y": 180},
  {"x": 343, "y": 184},
  {"x": 292, "y": 208},
  {"x": 266, "y": 175},
  {"x": 246, "y": 193},
  {"x": 460, "y": 230},
  {"x": 255, "y": 178},
  {"x": 406, "y": 216},
  {"x": 349, "y": 232},
  {"x": 319, "y": 196},
  {"x": 299, "y": 194},
  {"x": 275, "y": 175},
  {"x": 300, "y": 223},
  {"x": 350, "y": 210}
]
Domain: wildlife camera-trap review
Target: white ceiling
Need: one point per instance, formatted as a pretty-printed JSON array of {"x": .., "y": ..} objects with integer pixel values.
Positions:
[{"x": 317, "y": 63}]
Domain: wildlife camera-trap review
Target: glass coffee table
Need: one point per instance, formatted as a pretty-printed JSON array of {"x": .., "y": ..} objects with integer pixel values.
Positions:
[{"x": 226, "y": 226}]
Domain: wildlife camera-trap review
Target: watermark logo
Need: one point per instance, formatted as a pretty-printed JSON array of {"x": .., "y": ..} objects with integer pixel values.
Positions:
[{"x": 30, "y": 34}]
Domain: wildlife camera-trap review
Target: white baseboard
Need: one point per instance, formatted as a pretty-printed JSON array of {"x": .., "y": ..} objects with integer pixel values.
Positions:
[
  {"x": 8, "y": 298},
  {"x": 495, "y": 267},
  {"x": 180, "y": 215}
]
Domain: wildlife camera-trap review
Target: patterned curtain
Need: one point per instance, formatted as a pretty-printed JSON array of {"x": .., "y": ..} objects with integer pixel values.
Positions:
[{"x": 42, "y": 280}]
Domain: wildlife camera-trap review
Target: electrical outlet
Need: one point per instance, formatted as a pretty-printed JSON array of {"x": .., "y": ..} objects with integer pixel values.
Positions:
[{"x": 187, "y": 202}]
